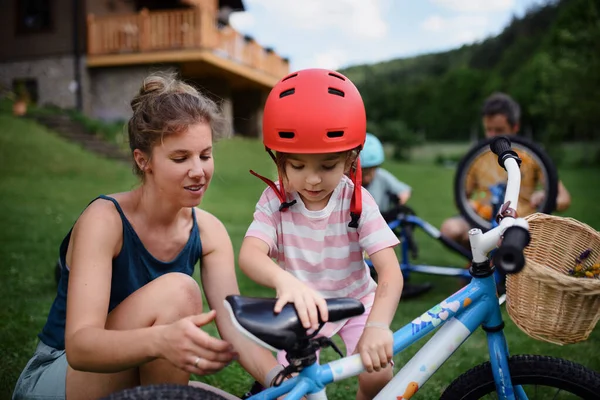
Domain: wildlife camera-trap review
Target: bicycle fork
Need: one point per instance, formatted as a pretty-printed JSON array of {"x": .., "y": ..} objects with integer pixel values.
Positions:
[{"x": 498, "y": 349}]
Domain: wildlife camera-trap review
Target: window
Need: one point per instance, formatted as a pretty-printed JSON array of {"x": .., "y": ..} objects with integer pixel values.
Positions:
[
  {"x": 34, "y": 16},
  {"x": 26, "y": 89}
]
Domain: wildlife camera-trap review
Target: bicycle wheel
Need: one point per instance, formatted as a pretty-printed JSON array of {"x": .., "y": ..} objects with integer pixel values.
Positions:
[
  {"x": 479, "y": 182},
  {"x": 166, "y": 392},
  {"x": 541, "y": 377}
]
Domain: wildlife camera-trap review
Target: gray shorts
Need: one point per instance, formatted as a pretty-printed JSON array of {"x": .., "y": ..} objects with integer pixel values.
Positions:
[{"x": 44, "y": 376}]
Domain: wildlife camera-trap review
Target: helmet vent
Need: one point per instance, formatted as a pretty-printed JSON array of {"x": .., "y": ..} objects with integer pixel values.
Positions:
[
  {"x": 337, "y": 76},
  {"x": 287, "y": 92},
  {"x": 336, "y": 92},
  {"x": 289, "y": 77},
  {"x": 335, "y": 134},
  {"x": 286, "y": 135}
]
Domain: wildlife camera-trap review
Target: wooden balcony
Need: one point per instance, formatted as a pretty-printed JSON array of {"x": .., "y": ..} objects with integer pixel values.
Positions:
[{"x": 180, "y": 36}]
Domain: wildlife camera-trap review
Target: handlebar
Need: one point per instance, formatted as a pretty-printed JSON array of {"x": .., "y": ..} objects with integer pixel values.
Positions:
[
  {"x": 500, "y": 146},
  {"x": 509, "y": 256},
  {"x": 512, "y": 230}
]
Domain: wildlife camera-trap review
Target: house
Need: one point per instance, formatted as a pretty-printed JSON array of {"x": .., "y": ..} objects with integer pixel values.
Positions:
[{"x": 93, "y": 54}]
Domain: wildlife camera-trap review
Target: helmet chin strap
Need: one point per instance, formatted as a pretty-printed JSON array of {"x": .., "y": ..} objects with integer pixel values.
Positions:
[
  {"x": 355, "y": 203},
  {"x": 279, "y": 192}
]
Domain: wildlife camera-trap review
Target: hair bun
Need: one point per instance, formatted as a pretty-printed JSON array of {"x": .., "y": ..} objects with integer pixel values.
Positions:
[{"x": 154, "y": 85}]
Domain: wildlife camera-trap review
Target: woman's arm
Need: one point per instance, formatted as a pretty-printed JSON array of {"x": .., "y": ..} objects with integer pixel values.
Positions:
[
  {"x": 219, "y": 280},
  {"x": 95, "y": 240}
]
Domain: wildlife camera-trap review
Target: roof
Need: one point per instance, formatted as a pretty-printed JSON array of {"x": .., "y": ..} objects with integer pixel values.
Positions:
[{"x": 235, "y": 5}]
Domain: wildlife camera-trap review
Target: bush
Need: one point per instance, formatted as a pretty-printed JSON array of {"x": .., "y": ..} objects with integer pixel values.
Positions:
[{"x": 396, "y": 133}]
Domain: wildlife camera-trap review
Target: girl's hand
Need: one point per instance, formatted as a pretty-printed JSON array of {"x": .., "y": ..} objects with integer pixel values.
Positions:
[
  {"x": 309, "y": 304},
  {"x": 375, "y": 347},
  {"x": 191, "y": 349}
]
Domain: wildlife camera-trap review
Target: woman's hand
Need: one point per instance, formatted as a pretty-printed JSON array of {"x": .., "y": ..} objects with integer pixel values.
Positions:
[
  {"x": 191, "y": 349},
  {"x": 309, "y": 304},
  {"x": 375, "y": 347}
]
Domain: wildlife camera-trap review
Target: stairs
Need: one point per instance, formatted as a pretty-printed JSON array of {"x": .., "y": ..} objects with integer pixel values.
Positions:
[{"x": 76, "y": 132}]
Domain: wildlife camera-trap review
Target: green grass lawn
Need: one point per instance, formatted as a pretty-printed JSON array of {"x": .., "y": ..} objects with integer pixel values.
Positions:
[{"x": 45, "y": 183}]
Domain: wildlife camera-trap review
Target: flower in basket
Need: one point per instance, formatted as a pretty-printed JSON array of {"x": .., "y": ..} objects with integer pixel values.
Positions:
[{"x": 581, "y": 271}]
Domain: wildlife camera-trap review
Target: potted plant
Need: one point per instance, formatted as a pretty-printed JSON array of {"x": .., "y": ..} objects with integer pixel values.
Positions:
[{"x": 21, "y": 100}]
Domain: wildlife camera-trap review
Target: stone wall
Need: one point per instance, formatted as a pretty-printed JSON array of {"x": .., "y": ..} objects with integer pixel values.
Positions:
[
  {"x": 111, "y": 89},
  {"x": 107, "y": 91},
  {"x": 54, "y": 76}
]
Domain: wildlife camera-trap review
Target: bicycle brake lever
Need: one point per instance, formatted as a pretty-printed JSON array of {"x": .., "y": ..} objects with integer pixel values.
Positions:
[
  {"x": 336, "y": 349},
  {"x": 324, "y": 342}
]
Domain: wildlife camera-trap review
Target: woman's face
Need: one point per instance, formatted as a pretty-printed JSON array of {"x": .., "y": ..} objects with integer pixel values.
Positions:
[{"x": 182, "y": 166}]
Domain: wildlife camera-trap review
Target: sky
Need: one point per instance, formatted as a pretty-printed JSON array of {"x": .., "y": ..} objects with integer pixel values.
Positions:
[{"x": 339, "y": 33}]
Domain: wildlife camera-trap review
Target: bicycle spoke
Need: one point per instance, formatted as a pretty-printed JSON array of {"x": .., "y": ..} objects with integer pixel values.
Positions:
[{"x": 555, "y": 396}]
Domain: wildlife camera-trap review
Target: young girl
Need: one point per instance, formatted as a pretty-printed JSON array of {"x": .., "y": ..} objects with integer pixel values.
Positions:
[
  {"x": 316, "y": 222},
  {"x": 128, "y": 311}
]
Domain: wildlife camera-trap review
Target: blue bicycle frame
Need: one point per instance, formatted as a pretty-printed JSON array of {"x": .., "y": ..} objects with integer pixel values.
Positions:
[
  {"x": 457, "y": 318},
  {"x": 497, "y": 194}
]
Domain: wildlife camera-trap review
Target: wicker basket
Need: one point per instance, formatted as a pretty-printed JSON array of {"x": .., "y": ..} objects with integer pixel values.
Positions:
[{"x": 543, "y": 299}]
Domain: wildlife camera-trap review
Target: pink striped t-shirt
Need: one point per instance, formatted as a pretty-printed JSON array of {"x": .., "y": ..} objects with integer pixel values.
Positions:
[{"x": 318, "y": 247}]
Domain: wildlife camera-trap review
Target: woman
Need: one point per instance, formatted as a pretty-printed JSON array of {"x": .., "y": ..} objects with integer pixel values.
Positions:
[{"x": 127, "y": 311}]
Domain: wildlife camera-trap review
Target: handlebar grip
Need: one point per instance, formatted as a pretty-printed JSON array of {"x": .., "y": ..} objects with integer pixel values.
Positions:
[
  {"x": 500, "y": 145},
  {"x": 509, "y": 256}
]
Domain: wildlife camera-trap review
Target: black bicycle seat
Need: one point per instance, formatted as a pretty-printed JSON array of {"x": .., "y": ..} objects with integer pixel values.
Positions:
[{"x": 282, "y": 331}]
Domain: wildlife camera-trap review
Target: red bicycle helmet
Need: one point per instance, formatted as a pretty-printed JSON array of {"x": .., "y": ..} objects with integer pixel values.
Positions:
[{"x": 315, "y": 111}]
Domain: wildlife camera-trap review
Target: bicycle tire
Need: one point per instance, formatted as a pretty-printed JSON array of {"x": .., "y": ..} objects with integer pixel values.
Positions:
[
  {"x": 165, "y": 392},
  {"x": 548, "y": 167},
  {"x": 527, "y": 370}
]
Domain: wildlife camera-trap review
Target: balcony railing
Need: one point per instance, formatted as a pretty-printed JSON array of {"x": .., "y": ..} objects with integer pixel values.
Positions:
[{"x": 194, "y": 28}]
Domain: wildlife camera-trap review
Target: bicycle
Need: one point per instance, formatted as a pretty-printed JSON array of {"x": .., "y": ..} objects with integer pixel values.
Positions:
[
  {"x": 468, "y": 165},
  {"x": 455, "y": 318},
  {"x": 402, "y": 219}
]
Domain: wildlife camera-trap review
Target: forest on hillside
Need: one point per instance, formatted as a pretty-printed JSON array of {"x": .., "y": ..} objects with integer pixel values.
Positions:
[{"x": 548, "y": 60}]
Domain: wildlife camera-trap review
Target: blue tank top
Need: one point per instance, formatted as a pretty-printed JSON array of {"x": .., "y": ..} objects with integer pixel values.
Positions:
[{"x": 133, "y": 268}]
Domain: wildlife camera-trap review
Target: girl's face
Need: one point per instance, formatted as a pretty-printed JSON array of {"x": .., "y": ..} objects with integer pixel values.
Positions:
[
  {"x": 182, "y": 166},
  {"x": 315, "y": 176}
]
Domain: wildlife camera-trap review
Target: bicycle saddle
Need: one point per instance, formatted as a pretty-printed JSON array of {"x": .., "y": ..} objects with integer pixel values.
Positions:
[{"x": 255, "y": 318}]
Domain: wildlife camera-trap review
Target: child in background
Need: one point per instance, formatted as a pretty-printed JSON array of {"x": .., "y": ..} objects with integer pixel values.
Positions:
[
  {"x": 378, "y": 181},
  {"x": 388, "y": 193}
]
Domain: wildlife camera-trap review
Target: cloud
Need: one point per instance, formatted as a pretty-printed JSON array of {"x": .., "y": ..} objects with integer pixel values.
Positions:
[
  {"x": 435, "y": 23},
  {"x": 476, "y": 5},
  {"x": 457, "y": 30},
  {"x": 242, "y": 21},
  {"x": 332, "y": 59},
  {"x": 353, "y": 18}
]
